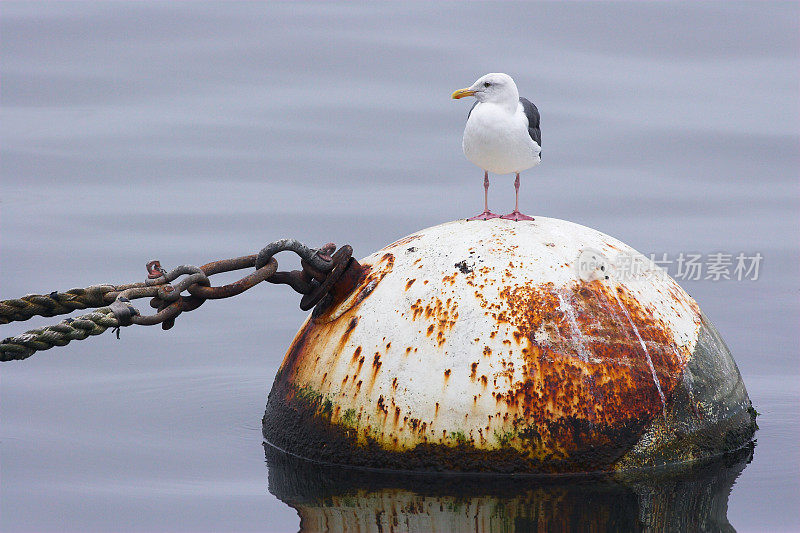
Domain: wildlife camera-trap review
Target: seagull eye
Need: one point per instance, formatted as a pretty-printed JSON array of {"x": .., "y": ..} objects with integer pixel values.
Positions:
[{"x": 486, "y": 84}]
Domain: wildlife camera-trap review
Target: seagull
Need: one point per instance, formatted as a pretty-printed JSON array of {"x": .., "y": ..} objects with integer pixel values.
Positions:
[{"x": 502, "y": 135}]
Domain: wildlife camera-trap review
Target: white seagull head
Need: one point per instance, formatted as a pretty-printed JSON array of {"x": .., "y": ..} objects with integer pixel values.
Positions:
[{"x": 495, "y": 87}]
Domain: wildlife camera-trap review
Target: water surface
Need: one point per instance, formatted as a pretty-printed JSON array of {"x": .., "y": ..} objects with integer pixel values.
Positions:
[{"x": 194, "y": 132}]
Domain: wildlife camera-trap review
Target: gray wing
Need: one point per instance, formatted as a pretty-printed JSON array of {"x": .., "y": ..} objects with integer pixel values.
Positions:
[
  {"x": 471, "y": 108},
  {"x": 533, "y": 120}
]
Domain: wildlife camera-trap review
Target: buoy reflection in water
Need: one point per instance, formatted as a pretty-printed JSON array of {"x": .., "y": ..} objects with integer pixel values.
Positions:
[{"x": 336, "y": 498}]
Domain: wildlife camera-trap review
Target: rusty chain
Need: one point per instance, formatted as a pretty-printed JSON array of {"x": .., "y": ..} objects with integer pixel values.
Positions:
[{"x": 325, "y": 274}]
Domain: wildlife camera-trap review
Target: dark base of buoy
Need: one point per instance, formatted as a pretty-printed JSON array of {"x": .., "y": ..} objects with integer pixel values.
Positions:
[{"x": 303, "y": 428}]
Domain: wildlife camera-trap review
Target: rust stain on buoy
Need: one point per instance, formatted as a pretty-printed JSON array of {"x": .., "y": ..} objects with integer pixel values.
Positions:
[{"x": 527, "y": 351}]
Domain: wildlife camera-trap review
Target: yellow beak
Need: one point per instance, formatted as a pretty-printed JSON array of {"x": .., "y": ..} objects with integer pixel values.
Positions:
[{"x": 461, "y": 93}]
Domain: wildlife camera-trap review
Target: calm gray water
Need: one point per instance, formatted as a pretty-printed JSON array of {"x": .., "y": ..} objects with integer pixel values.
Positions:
[{"x": 193, "y": 132}]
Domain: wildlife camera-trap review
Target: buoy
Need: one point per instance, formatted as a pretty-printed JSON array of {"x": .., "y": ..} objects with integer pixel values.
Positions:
[{"x": 538, "y": 346}]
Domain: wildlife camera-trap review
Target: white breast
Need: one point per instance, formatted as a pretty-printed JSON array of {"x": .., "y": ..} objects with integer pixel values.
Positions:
[{"x": 498, "y": 141}]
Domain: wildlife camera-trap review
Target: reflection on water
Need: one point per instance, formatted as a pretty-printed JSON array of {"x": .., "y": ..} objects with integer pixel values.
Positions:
[{"x": 329, "y": 497}]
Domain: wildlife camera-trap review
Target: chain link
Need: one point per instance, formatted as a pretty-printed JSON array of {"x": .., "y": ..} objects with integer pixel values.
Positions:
[{"x": 321, "y": 276}]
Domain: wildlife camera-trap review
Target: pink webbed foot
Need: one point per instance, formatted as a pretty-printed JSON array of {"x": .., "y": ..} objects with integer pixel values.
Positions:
[
  {"x": 516, "y": 216},
  {"x": 486, "y": 215}
]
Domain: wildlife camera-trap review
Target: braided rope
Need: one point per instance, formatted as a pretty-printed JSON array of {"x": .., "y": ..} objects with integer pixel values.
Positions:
[
  {"x": 55, "y": 303},
  {"x": 24, "y": 345}
]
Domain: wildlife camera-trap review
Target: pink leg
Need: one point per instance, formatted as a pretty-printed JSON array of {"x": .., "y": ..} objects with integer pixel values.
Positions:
[
  {"x": 516, "y": 215},
  {"x": 486, "y": 215}
]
